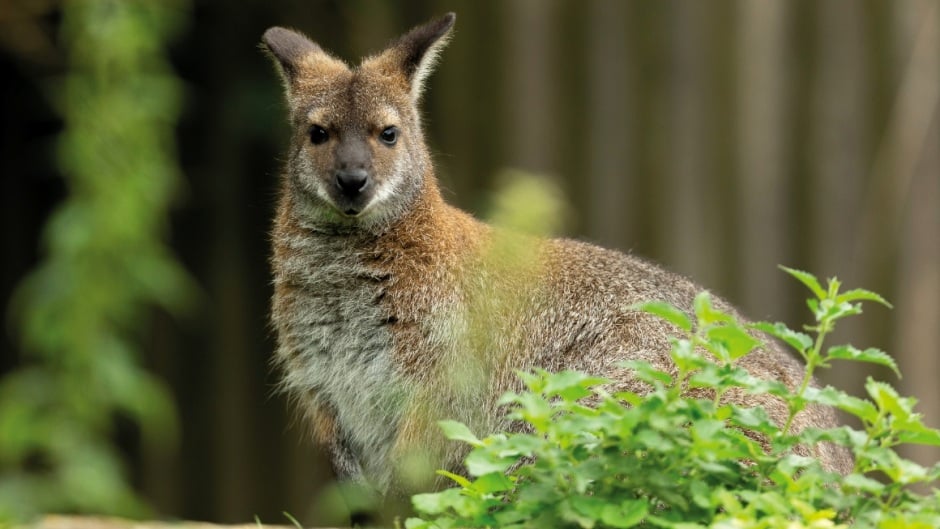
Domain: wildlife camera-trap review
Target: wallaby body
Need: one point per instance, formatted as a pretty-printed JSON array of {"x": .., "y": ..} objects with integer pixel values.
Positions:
[{"x": 382, "y": 289}]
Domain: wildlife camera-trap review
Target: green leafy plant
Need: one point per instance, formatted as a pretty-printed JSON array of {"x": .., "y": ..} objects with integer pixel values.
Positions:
[
  {"x": 78, "y": 314},
  {"x": 667, "y": 459}
]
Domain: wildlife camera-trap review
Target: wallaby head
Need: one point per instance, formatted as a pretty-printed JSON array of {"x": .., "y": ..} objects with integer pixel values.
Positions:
[{"x": 357, "y": 155}]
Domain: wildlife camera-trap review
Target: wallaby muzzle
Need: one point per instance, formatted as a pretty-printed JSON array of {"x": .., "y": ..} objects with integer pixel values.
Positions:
[
  {"x": 351, "y": 182},
  {"x": 352, "y": 191}
]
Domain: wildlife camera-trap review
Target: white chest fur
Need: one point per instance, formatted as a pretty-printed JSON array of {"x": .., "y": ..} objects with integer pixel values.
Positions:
[{"x": 336, "y": 344}]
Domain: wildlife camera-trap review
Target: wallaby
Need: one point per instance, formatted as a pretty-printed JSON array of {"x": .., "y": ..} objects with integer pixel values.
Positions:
[{"x": 390, "y": 308}]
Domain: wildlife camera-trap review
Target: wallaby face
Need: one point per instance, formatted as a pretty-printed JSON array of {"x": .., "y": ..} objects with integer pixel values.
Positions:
[
  {"x": 394, "y": 310},
  {"x": 357, "y": 153}
]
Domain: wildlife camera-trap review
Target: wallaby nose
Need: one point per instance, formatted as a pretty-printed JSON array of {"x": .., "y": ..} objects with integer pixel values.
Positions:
[{"x": 352, "y": 181}]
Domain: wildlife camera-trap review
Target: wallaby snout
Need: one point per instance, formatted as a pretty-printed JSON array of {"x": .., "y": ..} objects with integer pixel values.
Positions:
[
  {"x": 352, "y": 176},
  {"x": 352, "y": 191},
  {"x": 351, "y": 182}
]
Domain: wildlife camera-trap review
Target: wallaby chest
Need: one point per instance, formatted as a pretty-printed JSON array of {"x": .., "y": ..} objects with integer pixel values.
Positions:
[{"x": 336, "y": 341}]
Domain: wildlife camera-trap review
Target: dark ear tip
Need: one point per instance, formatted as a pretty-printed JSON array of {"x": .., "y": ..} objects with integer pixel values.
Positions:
[
  {"x": 275, "y": 34},
  {"x": 287, "y": 45},
  {"x": 447, "y": 21},
  {"x": 438, "y": 26}
]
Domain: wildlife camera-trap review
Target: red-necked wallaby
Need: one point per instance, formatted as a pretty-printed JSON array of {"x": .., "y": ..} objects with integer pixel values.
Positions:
[{"x": 379, "y": 284}]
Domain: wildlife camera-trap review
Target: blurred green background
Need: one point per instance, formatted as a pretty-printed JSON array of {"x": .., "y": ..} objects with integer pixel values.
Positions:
[{"x": 141, "y": 143}]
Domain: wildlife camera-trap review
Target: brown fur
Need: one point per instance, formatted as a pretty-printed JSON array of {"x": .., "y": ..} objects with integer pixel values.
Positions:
[{"x": 394, "y": 309}]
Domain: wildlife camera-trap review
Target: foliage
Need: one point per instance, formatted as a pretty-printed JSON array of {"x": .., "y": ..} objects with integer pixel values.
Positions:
[
  {"x": 666, "y": 459},
  {"x": 78, "y": 312}
]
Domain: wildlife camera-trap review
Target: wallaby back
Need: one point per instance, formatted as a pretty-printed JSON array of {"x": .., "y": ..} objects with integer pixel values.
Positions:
[{"x": 394, "y": 310}]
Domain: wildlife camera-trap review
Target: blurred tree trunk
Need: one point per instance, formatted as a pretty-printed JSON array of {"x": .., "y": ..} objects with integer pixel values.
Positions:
[
  {"x": 763, "y": 163},
  {"x": 609, "y": 135},
  {"x": 692, "y": 229},
  {"x": 840, "y": 94},
  {"x": 530, "y": 84},
  {"x": 462, "y": 118},
  {"x": 230, "y": 428},
  {"x": 915, "y": 172}
]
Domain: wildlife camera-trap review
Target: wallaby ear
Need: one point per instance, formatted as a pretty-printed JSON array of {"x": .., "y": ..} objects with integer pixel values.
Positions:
[
  {"x": 414, "y": 53},
  {"x": 297, "y": 56}
]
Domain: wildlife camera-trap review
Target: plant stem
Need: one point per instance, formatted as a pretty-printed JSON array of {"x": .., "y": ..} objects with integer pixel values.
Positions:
[{"x": 812, "y": 361}]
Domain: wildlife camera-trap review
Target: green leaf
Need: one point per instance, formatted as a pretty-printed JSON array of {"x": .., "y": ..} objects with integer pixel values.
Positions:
[
  {"x": 727, "y": 376},
  {"x": 539, "y": 492},
  {"x": 887, "y": 398},
  {"x": 571, "y": 385},
  {"x": 710, "y": 376},
  {"x": 418, "y": 523},
  {"x": 435, "y": 502},
  {"x": 858, "y": 482},
  {"x": 807, "y": 279},
  {"x": 511, "y": 519},
  {"x": 647, "y": 373},
  {"x": 870, "y": 355},
  {"x": 492, "y": 483},
  {"x": 830, "y": 396},
  {"x": 797, "y": 340},
  {"x": 685, "y": 357},
  {"x": 733, "y": 340},
  {"x": 588, "y": 506},
  {"x": 818, "y": 314},
  {"x": 909, "y": 472},
  {"x": 859, "y": 294},
  {"x": 456, "y": 478},
  {"x": 701, "y": 494},
  {"x": 927, "y": 436},
  {"x": 534, "y": 409},
  {"x": 654, "y": 441},
  {"x": 457, "y": 431},
  {"x": 628, "y": 513},
  {"x": 480, "y": 462},
  {"x": 519, "y": 445},
  {"x": 580, "y": 510},
  {"x": 667, "y": 312},
  {"x": 834, "y": 285},
  {"x": 905, "y": 522},
  {"x": 534, "y": 381},
  {"x": 755, "y": 419},
  {"x": 706, "y": 313}
]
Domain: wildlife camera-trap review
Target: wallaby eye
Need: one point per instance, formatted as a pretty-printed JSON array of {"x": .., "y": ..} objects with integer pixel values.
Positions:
[
  {"x": 318, "y": 135},
  {"x": 389, "y": 136}
]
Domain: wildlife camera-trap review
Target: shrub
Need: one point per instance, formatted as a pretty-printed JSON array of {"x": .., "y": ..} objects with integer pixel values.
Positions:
[
  {"x": 666, "y": 459},
  {"x": 80, "y": 313}
]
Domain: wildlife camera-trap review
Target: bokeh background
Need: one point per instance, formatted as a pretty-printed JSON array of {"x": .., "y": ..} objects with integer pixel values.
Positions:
[{"x": 720, "y": 138}]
